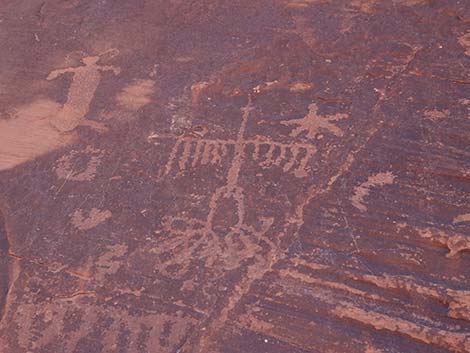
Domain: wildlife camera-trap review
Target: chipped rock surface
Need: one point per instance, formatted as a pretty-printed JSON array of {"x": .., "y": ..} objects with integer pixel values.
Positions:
[{"x": 235, "y": 176}]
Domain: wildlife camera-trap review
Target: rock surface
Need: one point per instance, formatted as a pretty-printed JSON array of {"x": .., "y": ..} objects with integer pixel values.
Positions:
[{"x": 234, "y": 176}]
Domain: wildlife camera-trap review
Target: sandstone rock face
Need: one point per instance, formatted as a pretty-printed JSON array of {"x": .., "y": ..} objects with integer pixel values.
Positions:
[{"x": 234, "y": 176}]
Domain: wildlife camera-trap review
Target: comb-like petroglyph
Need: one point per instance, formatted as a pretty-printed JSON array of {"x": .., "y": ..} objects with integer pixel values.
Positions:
[
  {"x": 191, "y": 152},
  {"x": 291, "y": 157}
]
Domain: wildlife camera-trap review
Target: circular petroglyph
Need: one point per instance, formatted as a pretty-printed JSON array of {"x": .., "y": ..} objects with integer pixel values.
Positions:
[{"x": 79, "y": 165}]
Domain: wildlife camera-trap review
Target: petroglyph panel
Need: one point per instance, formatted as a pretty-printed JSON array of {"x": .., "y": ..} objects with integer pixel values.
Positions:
[{"x": 251, "y": 176}]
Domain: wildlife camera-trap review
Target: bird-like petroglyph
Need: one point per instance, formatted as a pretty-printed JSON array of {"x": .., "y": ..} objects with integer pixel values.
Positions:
[{"x": 313, "y": 123}]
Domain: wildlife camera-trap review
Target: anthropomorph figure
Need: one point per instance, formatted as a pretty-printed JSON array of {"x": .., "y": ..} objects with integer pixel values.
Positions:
[
  {"x": 81, "y": 92},
  {"x": 43, "y": 124}
]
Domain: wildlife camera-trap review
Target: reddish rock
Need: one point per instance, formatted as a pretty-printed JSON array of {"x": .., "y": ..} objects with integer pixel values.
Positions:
[{"x": 235, "y": 176}]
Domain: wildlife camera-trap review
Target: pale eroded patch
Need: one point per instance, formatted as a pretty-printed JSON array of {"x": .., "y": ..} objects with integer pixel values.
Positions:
[
  {"x": 136, "y": 95},
  {"x": 464, "y": 41},
  {"x": 368, "y": 5},
  {"x": 300, "y": 87},
  {"x": 462, "y": 218},
  {"x": 196, "y": 90},
  {"x": 304, "y": 3},
  {"x": 436, "y": 114},
  {"x": 30, "y": 133}
]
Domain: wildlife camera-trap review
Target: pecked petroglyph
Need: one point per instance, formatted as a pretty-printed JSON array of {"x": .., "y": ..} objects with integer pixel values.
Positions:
[
  {"x": 160, "y": 331},
  {"x": 291, "y": 157},
  {"x": 66, "y": 168},
  {"x": 362, "y": 191},
  {"x": 237, "y": 240},
  {"x": 227, "y": 244},
  {"x": 94, "y": 218},
  {"x": 300, "y": 87},
  {"x": 198, "y": 255},
  {"x": 193, "y": 238},
  {"x": 304, "y": 3},
  {"x": 44, "y": 125},
  {"x": 314, "y": 124},
  {"x": 189, "y": 152},
  {"x": 85, "y": 81}
]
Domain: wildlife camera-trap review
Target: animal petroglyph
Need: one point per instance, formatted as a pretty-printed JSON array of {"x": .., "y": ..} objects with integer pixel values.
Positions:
[
  {"x": 190, "y": 152},
  {"x": 314, "y": 124},
  {"x": 85, "y": 80},
  {"x": 361, "y": 191}
]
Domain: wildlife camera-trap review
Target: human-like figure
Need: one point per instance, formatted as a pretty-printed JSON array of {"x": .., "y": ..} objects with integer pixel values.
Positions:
[{"x": 81, "y": 92}]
